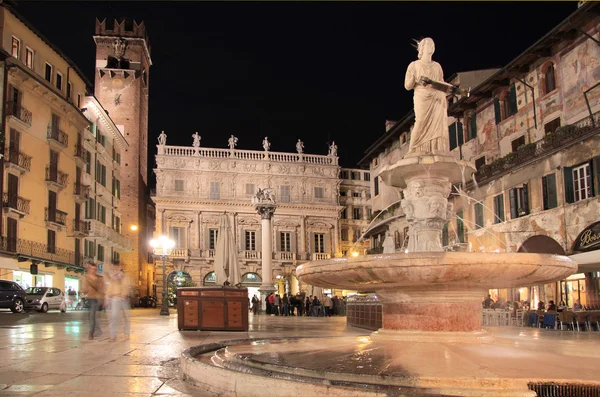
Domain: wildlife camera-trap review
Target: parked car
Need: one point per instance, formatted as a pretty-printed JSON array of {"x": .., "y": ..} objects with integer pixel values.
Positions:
[
  {"x": 44, "y": 298},
  {"x": 12, "y": 296}
]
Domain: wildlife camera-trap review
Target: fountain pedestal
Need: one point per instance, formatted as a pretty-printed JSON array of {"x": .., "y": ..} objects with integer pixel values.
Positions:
[{"x": 429, "y": 294}]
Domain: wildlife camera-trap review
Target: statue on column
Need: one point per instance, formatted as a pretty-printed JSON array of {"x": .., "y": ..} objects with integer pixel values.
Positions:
[
  {"x": 197, "y": 138},
  {"x": 162, "y": 139}
]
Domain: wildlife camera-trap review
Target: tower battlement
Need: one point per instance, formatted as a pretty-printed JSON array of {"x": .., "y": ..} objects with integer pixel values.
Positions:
[{"x": 122, "y": 27}]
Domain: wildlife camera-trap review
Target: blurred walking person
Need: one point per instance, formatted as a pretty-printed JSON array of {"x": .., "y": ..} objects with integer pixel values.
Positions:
[
  {"x": 93, "y": 288},
  {"x": 117, "y": 295}
]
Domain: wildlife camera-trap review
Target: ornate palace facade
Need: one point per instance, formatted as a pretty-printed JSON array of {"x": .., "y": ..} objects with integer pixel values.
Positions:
[{"x": 196, "y": 184}]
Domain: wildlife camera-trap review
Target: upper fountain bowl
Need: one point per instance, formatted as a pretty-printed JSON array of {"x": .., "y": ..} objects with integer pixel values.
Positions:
[
  {"x": 439, "y": 166},
  {"x": 431, "y": 270}
]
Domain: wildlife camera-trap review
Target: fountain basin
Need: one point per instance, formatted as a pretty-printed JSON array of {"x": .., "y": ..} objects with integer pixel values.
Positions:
[{"x": 435, "y": 291}]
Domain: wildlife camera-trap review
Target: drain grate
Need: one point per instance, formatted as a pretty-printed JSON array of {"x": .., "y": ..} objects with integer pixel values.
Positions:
[{"x": 545, "y": 389}]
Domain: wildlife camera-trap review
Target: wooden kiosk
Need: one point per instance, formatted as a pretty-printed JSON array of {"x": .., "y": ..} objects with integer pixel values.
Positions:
[{"x": 212, "y": 308}]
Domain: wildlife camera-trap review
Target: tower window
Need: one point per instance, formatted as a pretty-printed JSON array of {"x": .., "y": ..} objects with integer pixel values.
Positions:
[
  {"x": 48, "y": 72},
  {"x": 16, "y": 47}
]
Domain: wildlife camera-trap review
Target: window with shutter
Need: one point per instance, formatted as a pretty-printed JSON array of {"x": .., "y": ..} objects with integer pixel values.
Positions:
[
  {"x": 479, "y": 162},
  {"x": 213, "y": 236},
  {"x": 472, "y": 130},
  {"x": 582, "y": 182},
  {"x": 497, "y": 113},
  {"x": 550, "y": 81},
  {"x": 460, "y": 226},
  {"x": 179, "y": 185},
  {"x": 452, "y": 135},
  {"x": 51, "y": 242},
  {"x": 460, "y": 133},
  {"x": 250, "y": 240},
  {"x": 513, "y": 100},
  {"x": 376, "y": 185},
  {"x": 319, "y": 192},
  {"x": 499, "y": 208},
  {"x": 250, "y": 188},
  {"x": 344, "y": 235},
  {"x": 285, "y": 241},
  {"x": 319, "y": 243},
  {"x": 519, "y": 202},
  {"x": 549, "y": 191},
  {"x": 479, "y": 222}
]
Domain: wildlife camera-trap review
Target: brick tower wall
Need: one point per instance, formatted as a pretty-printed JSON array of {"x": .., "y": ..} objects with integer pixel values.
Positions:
[{"x": 130, "y": 113}]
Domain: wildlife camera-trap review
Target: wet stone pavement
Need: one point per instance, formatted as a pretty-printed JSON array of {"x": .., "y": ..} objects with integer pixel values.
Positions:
[{"x": 49, "y": 355}]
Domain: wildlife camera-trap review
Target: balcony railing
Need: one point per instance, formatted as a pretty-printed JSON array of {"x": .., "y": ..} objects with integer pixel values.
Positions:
[
  {"x": 317, "y": 256},
  {"x": 19, "y": 159},
  {"x": 186, "y": 151},
  {"x": 81, "y": 191},
  {"x": 534, "y": 151},
  {"x": 15, "y": 109},
  {"x": 252, "y": 254},
  {"x": 102, "y": 231},
  {"x": 42, "y": 252},
  {"x": 80, "y": 152},
  {"x": 57, "y": 135},
  {"x": 180, "y": 253},
  {"x": 285, "y": 256},
  {"x": 56, "y": 216},
  {"x": 18, "y": 204},
  {"x": 55, "y": 176}
]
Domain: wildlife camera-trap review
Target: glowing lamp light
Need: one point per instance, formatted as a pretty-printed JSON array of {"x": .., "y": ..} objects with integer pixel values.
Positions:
[
  {"x": 133, "y": 227},
  {"x": 354, "y": 254}
]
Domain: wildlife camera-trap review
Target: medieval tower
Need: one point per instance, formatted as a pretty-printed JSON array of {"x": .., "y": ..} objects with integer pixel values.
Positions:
[{"x": 121, "y": 86}]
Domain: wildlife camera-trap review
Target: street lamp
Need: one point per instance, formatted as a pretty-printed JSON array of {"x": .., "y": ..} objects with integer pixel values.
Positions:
[{"x": 162, "y": 248}]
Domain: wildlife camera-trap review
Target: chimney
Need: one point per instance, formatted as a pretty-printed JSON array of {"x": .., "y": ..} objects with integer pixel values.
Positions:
[{"x": 389, "y": 124}]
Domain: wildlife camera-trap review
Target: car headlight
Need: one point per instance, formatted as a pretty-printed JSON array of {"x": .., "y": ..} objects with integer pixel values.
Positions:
[{"x": 36, "y": 301}]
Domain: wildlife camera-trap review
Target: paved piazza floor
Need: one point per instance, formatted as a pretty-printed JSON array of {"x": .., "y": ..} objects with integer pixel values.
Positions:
[{"x": 50, "y": 355}]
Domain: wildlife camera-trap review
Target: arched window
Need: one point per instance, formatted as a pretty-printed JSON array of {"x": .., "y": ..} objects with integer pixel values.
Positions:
[
  {"x": 549, "y": 79},
  {"x": 210, "y": 279}
]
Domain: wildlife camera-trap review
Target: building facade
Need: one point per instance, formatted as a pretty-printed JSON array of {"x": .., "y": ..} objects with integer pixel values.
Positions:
[
  {"x": 44, "y": 158},
  {"x": 355, "y": 217},
  {"x": 195, "y": 185},
  {"x": 122, "y": 85},
  {"x": 531, "y": 129}
]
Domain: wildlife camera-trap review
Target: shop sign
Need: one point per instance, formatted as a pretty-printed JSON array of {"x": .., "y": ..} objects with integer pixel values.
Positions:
[{"x": 588, "y": 239}]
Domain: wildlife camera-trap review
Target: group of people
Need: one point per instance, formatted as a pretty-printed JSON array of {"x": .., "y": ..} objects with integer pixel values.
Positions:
[
  {"x": 109, "y": 291},
  {"x": 297, "y": 305},
  {"x": 489, "y": 303}
]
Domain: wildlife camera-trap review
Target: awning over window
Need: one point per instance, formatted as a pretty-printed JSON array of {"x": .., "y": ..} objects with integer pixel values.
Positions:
[
  {"x": 9, "y": 263},
  {"x": 587, "y": 261}
]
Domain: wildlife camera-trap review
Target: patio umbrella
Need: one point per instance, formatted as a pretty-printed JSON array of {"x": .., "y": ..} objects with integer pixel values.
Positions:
[{"x": 227, "y": 267}]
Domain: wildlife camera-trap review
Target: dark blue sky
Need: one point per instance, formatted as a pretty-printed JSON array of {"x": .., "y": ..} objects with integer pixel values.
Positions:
[{"x": 288, "y": 70}]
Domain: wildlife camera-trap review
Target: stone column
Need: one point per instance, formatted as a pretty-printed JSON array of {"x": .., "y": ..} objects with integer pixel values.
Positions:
[
  {"x": 159, "y": 221},
  {"x": 336, "y": 236},
  {"x": 266, "y": 210},
  {"x": 302, "y": 247},
  {"x": 199, "y": 230}
]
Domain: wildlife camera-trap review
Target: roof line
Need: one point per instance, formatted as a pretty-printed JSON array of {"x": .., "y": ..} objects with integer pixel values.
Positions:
[
  {"x": 48, "y": 42},
  {"x": 579, "y": 11}
]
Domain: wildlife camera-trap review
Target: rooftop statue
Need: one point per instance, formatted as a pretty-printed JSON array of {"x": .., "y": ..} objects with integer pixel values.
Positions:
[
  {"x": 300, "y": 146},
  {"x": 162, "y": 138},
  {"x": 333, "y": 149},
  {"x": 266, "y": 144},
  {"x": 196, "y": 139},
  {"x": 232, "y": 142},
  {"x": 430, "y": 131}
]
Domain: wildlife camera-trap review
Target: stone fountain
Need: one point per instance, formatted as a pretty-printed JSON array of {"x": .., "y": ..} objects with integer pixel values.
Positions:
[{"x": 432, "y": 341}]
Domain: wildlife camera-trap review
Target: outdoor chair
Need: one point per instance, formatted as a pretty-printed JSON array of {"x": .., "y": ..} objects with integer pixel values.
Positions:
[
  {"x": 582, "y": 318},
  {"x": 549, "y": 320},
  {"x": 566, "y": 317}
]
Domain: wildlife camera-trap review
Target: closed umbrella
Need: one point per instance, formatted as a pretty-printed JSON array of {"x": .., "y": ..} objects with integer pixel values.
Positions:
[{"x": 227, "y": 267}]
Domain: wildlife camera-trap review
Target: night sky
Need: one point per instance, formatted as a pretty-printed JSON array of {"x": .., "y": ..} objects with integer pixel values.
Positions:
[{"x": 317, "y": 71}]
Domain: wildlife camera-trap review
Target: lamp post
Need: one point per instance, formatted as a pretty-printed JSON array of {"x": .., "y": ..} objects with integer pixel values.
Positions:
[{"x": 162, "y": 248}]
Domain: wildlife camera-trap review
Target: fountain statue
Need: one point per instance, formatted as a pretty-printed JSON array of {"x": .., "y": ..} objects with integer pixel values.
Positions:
[
  {"x": 429, "y": 294},
  {"x": 431, "y": 341}
]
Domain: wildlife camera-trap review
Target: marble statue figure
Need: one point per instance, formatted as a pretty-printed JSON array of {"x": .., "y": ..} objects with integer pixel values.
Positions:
[
  {"x": 266, "y": 144},
  {"x": 300, "y": 146},
  {"x": 430, "y": 131},
  {"x": 196, "y": 139},
  {"x": 162, "y": 138},
  {"x": 333, "y": 149},
  {"x": 232, "y": 142}
]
